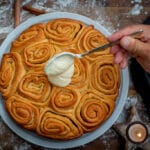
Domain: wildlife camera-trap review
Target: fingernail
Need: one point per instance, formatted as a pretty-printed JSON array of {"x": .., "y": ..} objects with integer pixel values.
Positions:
[{"x": 126, "y": 41}]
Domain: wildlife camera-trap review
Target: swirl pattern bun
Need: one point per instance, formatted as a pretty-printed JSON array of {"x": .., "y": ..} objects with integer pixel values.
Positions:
[
  {"x": 11, "y": 72},
  {"x": 106, "y": 75},
  {"x": 60, "y": 113},
  {"x": 57, "y": 126},
  {"x": 23, "y": 112},
  {"x": 38, "y": 53},
  {"x": 93, "y": 110}
]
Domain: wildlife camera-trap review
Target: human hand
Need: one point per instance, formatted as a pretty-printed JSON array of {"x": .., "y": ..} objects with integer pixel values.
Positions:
[{"x": 138, "y": 48}]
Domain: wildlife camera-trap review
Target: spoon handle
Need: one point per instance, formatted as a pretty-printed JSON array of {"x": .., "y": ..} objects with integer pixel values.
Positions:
[{"x": 103, "y": 47}]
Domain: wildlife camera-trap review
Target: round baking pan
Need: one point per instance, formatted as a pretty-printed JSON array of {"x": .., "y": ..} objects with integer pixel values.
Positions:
[{"x": 86, "y": 138}]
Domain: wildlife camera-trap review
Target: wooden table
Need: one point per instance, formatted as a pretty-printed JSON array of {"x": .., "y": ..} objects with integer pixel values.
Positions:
[{"x": 113, "y": 15}]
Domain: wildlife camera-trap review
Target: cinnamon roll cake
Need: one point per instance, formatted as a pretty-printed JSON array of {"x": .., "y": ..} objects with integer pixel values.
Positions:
[{"x": 59, "y": 112}]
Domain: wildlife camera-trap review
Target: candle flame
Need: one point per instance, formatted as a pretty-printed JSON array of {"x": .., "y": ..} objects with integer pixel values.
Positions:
[{"x": 139, "y": 134}]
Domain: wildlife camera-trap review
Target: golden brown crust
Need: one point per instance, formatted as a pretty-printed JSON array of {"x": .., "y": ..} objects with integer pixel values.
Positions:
[
  {"x": 63, "y": 31},
  {"x": 23, "y": 112},
  {"x": 38, "y": 53},
  {"x": 57, "y": 126},
  {"x": 56, "y": 112},
  {"x": 92, "y": 38},
  {"x": 81, "y": 74},
  {"x": 11, "y": 72},
  {"x": 105, "y": 76},
  {"x": 64, "y": 100},
  {"x": 92, "y": 110},
  {"x": 35, "y": 87},
  {"x": 31, "y": 35}
]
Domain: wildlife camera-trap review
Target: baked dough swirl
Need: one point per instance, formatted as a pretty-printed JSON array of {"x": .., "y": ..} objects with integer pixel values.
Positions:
[
  {"x": 93, "y": 110},
  {"x": 58, "y": 127},
  {"x": 63, "y": 100},
  {"x": 63, "y": 31},
  {"x": 92, "y": 38},
  {"x": 35, "y": 87},
  {"x": 34, "y": 33},
  {"x": 106, "y": 76},
  {"x": 38, "y": 53},
  {"x": 23, "y": 113},
  {"x": 81, "y": 74},
  {"x": 11, "y": 72}
]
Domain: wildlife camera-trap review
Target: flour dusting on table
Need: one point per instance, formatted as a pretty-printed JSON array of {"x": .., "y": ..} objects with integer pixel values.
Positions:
[
  {"x": 137, "y": 8},
  {"x": 73, "y": 6}
]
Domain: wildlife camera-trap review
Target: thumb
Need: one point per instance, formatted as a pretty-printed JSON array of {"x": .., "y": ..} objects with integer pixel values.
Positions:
[{"x": 134, "y": 46}]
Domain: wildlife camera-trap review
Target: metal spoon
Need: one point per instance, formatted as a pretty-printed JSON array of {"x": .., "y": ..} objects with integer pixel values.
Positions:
[{"x": 103, "y": 47}]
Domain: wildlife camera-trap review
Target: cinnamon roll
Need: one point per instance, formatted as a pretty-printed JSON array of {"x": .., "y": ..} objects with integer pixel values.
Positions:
[
  {"x": 81, "y": 74},
  {"x": 63, "y": 31},
  {"x": 35, "y": 87},
  {"x": 92, "y": 38},
  {"x": 11, "y": 72},
  {"x": 57, "y": 126},
  {"x": 92, "y": 110},
  {"x": 38, "y": 53},
  {"x": 33, "y": 34},
  {"x": 22, "y": 112},
  {"x": 63, "y": 100},
  {"x": 106, "y": 76}
]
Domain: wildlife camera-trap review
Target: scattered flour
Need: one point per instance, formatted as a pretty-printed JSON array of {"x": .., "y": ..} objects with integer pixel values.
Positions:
[
  {"x": 23, "y": 146},
  {"x": 25, "y": 2},
  {"x": 105, "y": 22},
  {"x": 41, "y": 3},
  {"x": 74, "y": 6},
  {"x": 130, "y": 101},
  {"x": 136, "y": 10},
  {"x": 6, "y": 29},
  {"x": 65, "y": 3},
  {"x": 136, "y": 1}
]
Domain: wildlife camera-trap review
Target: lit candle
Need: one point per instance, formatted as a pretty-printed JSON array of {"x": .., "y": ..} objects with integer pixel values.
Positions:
[{"x": 137, "y": 132}]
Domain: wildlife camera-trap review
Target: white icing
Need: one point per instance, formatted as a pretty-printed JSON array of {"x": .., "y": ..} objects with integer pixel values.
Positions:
[{"x": 60, "y": 70}]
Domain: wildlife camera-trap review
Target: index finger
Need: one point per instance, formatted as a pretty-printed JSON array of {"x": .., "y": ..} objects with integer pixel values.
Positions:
[{"x": 123, "y": 32}]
